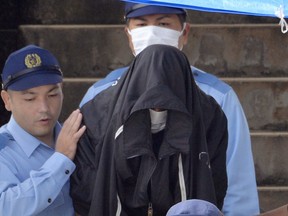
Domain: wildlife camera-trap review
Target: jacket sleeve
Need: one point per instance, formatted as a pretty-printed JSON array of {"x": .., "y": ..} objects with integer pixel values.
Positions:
[
  {"x": 217, "y": 139},
  {"x": 82, "y": 180}
]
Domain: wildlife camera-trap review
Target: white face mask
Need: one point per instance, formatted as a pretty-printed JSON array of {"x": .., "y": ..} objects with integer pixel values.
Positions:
[
  {"x": 143, "y": 37},
  {"x": 158, "y": 120}
]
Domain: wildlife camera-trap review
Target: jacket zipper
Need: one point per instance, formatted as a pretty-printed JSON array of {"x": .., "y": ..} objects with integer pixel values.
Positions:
[
  {"x": 150, "y": 209},
  {"x": 150, "y": 205}
]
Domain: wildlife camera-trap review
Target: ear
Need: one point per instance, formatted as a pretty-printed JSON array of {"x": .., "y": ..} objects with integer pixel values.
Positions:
[
  {"x": 61, "y": 86},
  {"x": 186, "y": 33},
  {"x": 6, "y": 99},
  {"x": 126, "y": 31}
]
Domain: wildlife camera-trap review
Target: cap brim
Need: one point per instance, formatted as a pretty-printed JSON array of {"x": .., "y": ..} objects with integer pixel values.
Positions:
[{"x": 34, "y": 80}]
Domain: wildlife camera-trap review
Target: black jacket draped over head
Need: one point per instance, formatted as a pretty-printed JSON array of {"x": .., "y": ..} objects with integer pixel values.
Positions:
[{"x": 118, "y": 170}]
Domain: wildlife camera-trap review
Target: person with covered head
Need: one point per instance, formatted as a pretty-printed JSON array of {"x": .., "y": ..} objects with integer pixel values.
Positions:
[
  {"x": 153, "y": 139},
  {"x": 35, "y": 156},
  {"x": 150, "y": 24}
]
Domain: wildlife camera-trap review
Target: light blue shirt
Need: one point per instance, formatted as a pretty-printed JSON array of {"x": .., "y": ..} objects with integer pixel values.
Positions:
[
  {"x": 242, "y": 195},
  {"x": 34, "y": 179}
]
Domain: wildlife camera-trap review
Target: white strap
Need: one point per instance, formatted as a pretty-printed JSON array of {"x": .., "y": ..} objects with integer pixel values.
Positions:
[
  {"x": 181, "y": 179},
  {"x": 119, "y": 131},
  {"x": 119, "y": 207},
  {"x": 280, "y": 13}
]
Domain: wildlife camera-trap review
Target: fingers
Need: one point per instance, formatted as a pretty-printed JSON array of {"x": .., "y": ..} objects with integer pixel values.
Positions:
[
  {"x": 70, "y": 134},
  {"x": 72, "y": 124},
  {"x": 80, "y": 132}
]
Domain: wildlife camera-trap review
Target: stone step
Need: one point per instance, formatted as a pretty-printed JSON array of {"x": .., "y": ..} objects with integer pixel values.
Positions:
[
  {"x": 270, "y": 151},
  {"x": 264, "y": 100},
  {"x": 272, "y": 197},
  {"x": 254, "y": 50},
  {"x": 70, "y": 12}
]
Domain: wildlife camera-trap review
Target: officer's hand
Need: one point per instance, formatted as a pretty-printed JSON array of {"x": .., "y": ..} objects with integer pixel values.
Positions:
[{"x": 70, "y": 134}]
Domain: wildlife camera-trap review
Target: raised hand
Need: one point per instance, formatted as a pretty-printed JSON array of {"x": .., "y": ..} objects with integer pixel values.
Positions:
[{"x": 70, "y": 134}]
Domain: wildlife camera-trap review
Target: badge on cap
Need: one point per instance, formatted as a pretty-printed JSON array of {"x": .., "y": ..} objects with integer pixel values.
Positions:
[{"x": 32, "y": 60}]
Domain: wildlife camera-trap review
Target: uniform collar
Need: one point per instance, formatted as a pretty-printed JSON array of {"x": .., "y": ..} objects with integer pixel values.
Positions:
[{"x": 26, "y": 141}]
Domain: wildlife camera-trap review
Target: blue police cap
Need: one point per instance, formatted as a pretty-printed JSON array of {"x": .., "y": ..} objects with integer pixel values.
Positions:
[
  {"x": 30, "y": 67},
  {"x": 135, "y": 10},
  {"x": 194, "y": 207}
]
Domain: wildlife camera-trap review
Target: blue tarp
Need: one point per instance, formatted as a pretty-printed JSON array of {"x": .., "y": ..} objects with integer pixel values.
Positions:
[
  {"x": 249, "y": 7},
  {"x": 271, "y": 8}
]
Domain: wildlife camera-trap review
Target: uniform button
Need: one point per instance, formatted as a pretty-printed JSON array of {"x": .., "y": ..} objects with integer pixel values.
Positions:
[
  {"x": 49, "y": 200},
  {"x": 67, "y": 172}
]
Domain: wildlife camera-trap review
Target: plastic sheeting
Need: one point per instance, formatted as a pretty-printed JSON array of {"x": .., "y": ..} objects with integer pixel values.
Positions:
[{"x": 272, "y": 8}]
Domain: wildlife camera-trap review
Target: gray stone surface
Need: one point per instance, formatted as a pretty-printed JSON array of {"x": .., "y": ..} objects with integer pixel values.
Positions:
[
  {"x": 224, "y": 50},
  {"x": 239, "y": 50},
  {"x": 270, "y": 158},
  {"x": 264, "y": 100},
  {"x": 83, "y": 51},
  {"x": 272, "y": 197}
]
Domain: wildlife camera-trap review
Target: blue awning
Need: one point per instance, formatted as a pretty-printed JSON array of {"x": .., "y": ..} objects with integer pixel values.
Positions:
[{"x": 271, "y": 8}]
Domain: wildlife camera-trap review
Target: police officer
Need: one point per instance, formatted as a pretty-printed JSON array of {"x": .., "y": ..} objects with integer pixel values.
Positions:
[{"x": 35, "y": 156}]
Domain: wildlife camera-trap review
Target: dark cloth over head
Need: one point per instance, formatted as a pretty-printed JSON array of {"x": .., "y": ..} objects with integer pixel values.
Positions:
[{"x": 117, "y": 168}]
